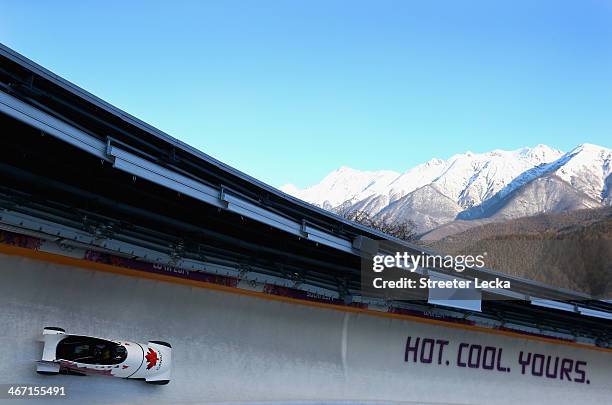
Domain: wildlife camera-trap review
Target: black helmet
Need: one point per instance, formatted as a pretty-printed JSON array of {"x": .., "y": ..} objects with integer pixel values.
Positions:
[{"x": 120, "y": 353}]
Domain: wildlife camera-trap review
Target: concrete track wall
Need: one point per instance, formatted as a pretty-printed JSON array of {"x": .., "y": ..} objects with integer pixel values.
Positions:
[{"x": 235, "y": 348}]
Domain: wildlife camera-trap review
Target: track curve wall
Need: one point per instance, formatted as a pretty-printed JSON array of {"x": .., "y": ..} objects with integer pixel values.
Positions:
[{"x": 238, "y": 349}]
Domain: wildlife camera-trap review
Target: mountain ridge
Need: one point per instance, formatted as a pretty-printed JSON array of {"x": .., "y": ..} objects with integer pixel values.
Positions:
[{"x": 470, "y": 186}]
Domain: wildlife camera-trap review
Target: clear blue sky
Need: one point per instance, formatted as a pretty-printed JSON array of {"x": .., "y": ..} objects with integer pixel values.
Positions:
[{"x": 289, "y": 90}]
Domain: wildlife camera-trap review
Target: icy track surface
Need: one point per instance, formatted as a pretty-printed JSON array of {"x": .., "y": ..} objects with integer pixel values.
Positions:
[{"x": 236, "y": 349}]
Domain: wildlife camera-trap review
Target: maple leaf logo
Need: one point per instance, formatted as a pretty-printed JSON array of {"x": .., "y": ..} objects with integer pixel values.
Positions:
[{"x": 151, "y": 358}]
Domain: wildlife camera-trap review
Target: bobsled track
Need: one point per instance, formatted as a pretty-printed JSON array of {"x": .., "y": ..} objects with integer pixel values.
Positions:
[
  {"x": 235, "y": 348},
  {"x": 114, "y": 229}
]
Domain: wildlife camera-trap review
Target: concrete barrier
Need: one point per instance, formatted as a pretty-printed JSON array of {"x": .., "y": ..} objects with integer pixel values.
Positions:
[{"x": 233, "y": 348}]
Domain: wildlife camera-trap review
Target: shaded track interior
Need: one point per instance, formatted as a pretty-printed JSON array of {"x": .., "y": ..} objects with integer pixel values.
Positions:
[{"x": 235, "y": 348}]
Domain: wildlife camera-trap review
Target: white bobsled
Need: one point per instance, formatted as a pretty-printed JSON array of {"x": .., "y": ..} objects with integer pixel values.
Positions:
[{"x": 83, "y": 355}]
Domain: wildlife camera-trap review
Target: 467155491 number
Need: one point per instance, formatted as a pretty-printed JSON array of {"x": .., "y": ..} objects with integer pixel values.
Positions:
[{"x": 14, "y": 390}]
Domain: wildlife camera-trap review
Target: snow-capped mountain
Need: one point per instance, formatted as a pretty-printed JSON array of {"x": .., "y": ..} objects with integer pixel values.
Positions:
[
  {"x": 504, "y": 184},
  {"x": 342, "y": 185}
]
